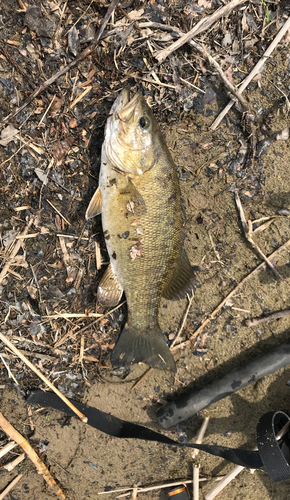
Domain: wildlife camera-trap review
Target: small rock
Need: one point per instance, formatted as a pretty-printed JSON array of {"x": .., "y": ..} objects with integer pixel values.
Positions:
[
  {"x": 73, "y": 41},
  {"x": 36, "y": 329},
  {"x": 38, "y": 23},
  {"x": 284, "y": 211}
]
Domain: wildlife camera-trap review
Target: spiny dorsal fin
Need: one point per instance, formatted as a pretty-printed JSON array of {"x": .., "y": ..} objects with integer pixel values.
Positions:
[
  {"x": 95, "y": 205},
  {"x": 110, "y": 291},
  {"x": 182, "y": 280}
]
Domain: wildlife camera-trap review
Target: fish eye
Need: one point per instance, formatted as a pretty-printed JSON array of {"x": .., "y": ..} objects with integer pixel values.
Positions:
[{"x": 144, "y": 122}]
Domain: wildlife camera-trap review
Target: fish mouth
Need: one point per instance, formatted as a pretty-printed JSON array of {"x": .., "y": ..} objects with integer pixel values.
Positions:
[{"x": 124, "y": 106}]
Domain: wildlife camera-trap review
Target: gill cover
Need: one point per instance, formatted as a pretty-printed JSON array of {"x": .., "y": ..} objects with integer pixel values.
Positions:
[{"x": 129, "y": 135}]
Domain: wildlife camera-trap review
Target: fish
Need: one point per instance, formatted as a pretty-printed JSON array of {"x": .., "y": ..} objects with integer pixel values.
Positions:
[{"x": 139, "y": 199}]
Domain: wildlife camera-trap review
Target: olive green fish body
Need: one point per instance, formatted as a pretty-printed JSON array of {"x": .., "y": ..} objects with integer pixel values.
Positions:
[
  {"x": 143, "y": 241},
  {"x": 139, "y": 198}
]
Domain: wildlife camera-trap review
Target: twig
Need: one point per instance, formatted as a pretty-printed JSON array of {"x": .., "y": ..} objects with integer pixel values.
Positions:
[
  {"x": 10, "y": 486},
  {"x": 10, "y": 374},
  {"x": 200, "y": 436},
  {"x": 11, "y": 465},
  {"x": 59, "y": 213},
  {"x": 168, "y": 485},
  {"x": 15, "y": 251},
  {"x": 100, "y": 318},
  {"x": 46, "y": 111},
  {"x": 134, "y": 492},
  {"x": 226, "y": 480},
  {"x": 98, "y": 255},
  {"x": 233, "y": 292},
  {"x": 191, "y": 85},
  {"x": 160, "y": 486},
  {"x": 59, "y": 24},
  {"x": 142, "y": 378},
  {"x": 190, "y": 299},
  {"x": 18, "y": 68},
  {"x": 8, "y": 447},
  {"x": 227, "y": 83},
  {"x": 21, "y": 441},
  {"x": 40, "y": 375},
  {"x": 247, "y": 228},
  {"x": 36, "y": 282},
  {"x": 202, "y": 25},
  {"x": 73, "y": 315},
  {"x": 195, "y": 482},
  {"x": 85, "y": 53},
  {"x": 265, "y": 319},
  {"x": 254, "y": 71}
]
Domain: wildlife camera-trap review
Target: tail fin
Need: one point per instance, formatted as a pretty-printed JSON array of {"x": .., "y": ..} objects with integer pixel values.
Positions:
[{"x": 148, "y": 346}]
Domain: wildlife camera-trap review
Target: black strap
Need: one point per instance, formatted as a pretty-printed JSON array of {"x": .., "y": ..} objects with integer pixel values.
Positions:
[
  {"x": 274, "y": 454},
  {"x": 121, "y": 429}
]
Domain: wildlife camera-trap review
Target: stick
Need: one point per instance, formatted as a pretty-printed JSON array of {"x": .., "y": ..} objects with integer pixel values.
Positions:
[
  {"x": 227, "y": 83},
  {"x": 100, "y": 318},
  {"x": 45, "y": 380},
  {"x": 8, "y": 447},
  {"x": 85, "y": 53},
  {"x": 10, "y": 486},
  {"x": 73, "y": 315},
  {"x": 15, "y": 251},
  {"x": 167, "y": 485},
  {"x": 202, "y": 25},
  {"x": 134, "y": 492},
  {"x": 239, "y": 285},
  {"x": 247, "y": 228},
  {"x": 225, "y": 481},
  {"x": 60, "y": 214},
  {"x": 200, "y": 436},
  {"x": 265, "y": 319},
  {"x": 11, "y": 465},
  {"x": 21, "y": 441},
  {"x": 142, "y": 378},
  {"x": 195, "y": 482},
  {"x": 254, "y": 71},
  {"x": 18, "y": 68},
  {"x": 190, "y": 299}
]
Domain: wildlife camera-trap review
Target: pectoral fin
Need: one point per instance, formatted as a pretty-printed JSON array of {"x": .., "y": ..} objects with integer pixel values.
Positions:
[
  {"x": 110, "y": 291},
  {"x": 131, "y": 198},
  {"x": 182, "y": 280},
  {"x": 95, "y": 205}
]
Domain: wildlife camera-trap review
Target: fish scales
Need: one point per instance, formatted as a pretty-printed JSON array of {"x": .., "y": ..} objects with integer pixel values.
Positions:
[
  {"x": 141, "y": 219},
  {"x": 143, "y": 277}
]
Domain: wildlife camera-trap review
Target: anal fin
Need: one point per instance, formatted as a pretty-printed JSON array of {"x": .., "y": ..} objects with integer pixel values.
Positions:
[
  {"x": 95, "y": 205},
  {"x": 109, "y": 291},
  {"x": 182, "y": 281}
]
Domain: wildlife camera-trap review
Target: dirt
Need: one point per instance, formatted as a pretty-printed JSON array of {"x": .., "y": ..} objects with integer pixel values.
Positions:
[{"x": 84, "y": 461}]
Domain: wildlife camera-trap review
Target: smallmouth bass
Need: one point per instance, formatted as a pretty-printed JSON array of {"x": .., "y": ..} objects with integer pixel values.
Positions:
[{"x": 140, "y": 202}]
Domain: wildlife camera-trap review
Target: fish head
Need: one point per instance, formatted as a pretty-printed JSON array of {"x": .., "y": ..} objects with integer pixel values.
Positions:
[{"x": 130, "y": 135}]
